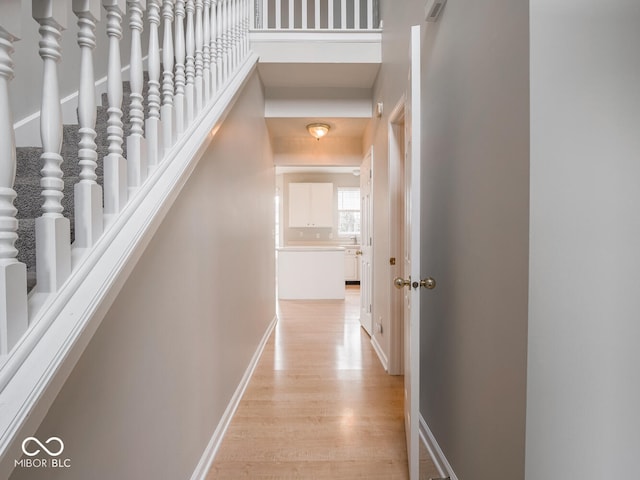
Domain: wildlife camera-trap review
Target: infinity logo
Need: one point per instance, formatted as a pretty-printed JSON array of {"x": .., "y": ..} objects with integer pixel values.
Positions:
[{"x": 42, "y": 446}]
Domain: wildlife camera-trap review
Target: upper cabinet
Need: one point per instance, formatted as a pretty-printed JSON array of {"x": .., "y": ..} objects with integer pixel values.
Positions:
[{"x": 310, "y": 205}]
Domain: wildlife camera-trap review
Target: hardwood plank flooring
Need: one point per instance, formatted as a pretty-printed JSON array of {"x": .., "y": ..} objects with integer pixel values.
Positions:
[{"x": 319, "y": 405}]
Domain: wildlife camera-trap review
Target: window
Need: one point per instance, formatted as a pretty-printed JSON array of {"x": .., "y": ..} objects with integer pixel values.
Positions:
[{"x": 348, "y": 211}]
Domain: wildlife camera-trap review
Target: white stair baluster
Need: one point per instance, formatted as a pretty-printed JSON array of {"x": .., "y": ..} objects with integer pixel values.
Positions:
[
  {"x": 13, "y": 274},
  {"x": 87, "y": 193},
  {"x": 153, "y": 128},
  {"x": 179, "y": 99},
  {"x": 291, "y": 24},
  {"x": 343, "y": 14},
  {"x": 370, "y": 14},
  {"x": 53, "y": 237},
  {"x": 356, "y": 14},
  {"x": 190, "y": 92},
  {"x": 265, "y": 14},
  {"x": 213, "y": 51},
  {"x": 235, "y": 34},
  {"x": 278, "y": 14},
  {"x": 199, "y": 61},
  {"x": 136, "y": 144},
  {"x": 219, "y": 44},
  {"x": 206, "y": 52},
  {"x": 166, "y": 111},
  {"x": 225, "y": 40},
  {"x": 317, "y": 15},
  {"x": 247, "y": 26},
  {"x": 330, "y": 18},
  {"x": 305, "y": 15},
  {"x": 115, "y": 167}
]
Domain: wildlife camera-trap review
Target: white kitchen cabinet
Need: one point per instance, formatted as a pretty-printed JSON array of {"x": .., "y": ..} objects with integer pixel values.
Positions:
[
  {"x": 351, "y": 264},
  {"x": 310, "y": 205}
]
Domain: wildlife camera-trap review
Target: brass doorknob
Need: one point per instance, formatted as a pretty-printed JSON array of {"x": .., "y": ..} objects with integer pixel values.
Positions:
[
  {"x": 429, "y": 283},
  {"x": 358, "y": 252},
  {"x": 400, "y": 282}
]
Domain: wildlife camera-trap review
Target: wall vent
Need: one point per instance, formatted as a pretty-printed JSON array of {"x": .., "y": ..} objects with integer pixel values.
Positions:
[{"x": 433, "y": 9}]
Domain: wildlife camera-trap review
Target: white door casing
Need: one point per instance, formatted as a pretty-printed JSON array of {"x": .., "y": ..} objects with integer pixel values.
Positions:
[
  {"x": 411, "y": 270},
  {"x": 366, "y": 242}
]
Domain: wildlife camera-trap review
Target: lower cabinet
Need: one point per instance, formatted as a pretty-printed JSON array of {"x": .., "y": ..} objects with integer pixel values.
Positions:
[{"x": 351, "y": 265}]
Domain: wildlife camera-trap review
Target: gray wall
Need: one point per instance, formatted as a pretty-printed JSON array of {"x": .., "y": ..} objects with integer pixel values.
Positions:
[
  {"x": 583, "y": 391},
  {"x": 475, "y": 235},
  {"x": 475, "y": 224},
  {"x": 150, "y": 388}
]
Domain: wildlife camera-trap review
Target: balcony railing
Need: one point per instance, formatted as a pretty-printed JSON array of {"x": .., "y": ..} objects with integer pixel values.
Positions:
[{"x": 316, "y": 15}]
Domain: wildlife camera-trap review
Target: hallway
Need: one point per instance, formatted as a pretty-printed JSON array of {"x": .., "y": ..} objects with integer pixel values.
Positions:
[{"x": 319, "y": 404}]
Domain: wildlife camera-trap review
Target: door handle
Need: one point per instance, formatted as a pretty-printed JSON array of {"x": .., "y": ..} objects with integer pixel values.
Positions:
[
  {"x": 358, "y": 252},
  {"x": 400, "y": 282},
  {"x": 428, "y": 283}
]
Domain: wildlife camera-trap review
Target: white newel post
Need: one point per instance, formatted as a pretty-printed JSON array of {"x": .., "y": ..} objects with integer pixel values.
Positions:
[
  {"x": 13, "y": 274},
  {"x": 166, "y": 111},
  {"x": 179, "y": 99},
  {"x": 199, "y": 62},
  {"x": 136, "y": 144},
  {"x": 214, "y": 47},
  {"x": 87, "y": 193},
  {"x": 191, "y": 61},
  {"x": 206, "y": 52},
  {"x": 153, "y": 129},
  {"x": 115, "y": 167},
  {"x": 53, "y": 237}
]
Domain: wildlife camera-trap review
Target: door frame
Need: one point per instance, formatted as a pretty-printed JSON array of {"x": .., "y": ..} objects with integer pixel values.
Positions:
[{"x": 396, "y": 160}]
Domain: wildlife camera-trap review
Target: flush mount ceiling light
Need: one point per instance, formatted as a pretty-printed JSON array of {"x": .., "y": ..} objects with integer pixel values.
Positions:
[{"x": 318, "y": 130}]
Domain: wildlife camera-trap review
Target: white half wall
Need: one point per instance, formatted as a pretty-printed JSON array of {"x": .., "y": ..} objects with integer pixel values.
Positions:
[
  {"x": 154, "y": 382},
  {"x": 584, "y": 310}
]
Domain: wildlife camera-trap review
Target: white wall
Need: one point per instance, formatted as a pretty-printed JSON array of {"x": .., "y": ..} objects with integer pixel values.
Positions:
[
  {"x": 150, "y": 388},
  {"x": 583, "y": 391}
]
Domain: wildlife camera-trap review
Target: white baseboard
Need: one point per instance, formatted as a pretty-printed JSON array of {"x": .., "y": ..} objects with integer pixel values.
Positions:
[
  {"x": 204, "y": 465},
  {"x": 378, "y": 349},
  {"x": 430, "y": 443}
]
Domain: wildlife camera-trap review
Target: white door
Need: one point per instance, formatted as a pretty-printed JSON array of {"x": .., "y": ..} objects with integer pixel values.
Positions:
[
  {"x": 366, "y": 243},
  {"x": 411, "y": 282}
]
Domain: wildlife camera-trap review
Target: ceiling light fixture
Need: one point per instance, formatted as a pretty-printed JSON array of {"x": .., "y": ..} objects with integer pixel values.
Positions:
[{"x": 318, "y": 130}]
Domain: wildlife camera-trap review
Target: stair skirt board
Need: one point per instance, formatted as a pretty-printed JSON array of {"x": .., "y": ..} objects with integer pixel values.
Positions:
[
  {"x": 431, "y": 444},
  {"x": 64, "y": 323},
  {"x": 27, "y": 130},
  {"x": 204, "y": 465}
]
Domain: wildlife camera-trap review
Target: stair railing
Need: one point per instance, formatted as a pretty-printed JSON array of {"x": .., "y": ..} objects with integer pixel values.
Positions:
[
  {"x": 316, "y": 15},
  {"x": 204, "y": 43}
]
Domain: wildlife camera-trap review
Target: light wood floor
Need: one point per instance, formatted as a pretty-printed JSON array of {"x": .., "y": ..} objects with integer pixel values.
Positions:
[{"x": 319, "y": 404}]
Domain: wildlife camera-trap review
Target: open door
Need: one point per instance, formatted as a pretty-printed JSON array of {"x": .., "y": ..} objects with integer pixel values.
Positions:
[
  {"x": 411, "y": 282},
  {"x": 366, "y": 243}
]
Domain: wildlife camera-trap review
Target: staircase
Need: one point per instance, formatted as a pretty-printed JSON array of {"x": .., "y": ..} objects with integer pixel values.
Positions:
[{"x": 27, "y": 184}]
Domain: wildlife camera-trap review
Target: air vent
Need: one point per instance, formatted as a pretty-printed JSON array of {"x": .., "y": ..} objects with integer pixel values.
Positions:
[{"x": 433, "y": 9}]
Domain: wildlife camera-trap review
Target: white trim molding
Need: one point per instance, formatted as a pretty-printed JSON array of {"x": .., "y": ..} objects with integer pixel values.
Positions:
[
  {"x": 437, "y": 455},
  {"x": 204, "y": 465},
  {"x": 380, "y": 352}
]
